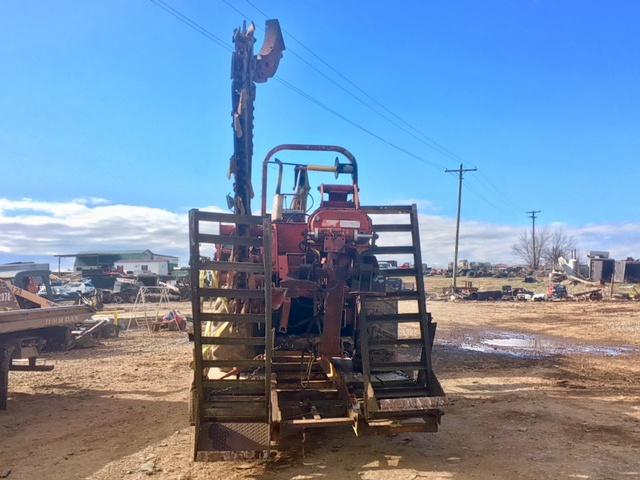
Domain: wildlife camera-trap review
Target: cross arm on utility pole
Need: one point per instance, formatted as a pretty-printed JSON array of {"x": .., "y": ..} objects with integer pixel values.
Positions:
[{"x": 460, "y": 170}]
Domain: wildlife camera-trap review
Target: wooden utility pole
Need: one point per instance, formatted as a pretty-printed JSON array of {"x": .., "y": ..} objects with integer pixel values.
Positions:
[
  {"x": 460, "y": 171},
  {"x": 532, "y": 216}
]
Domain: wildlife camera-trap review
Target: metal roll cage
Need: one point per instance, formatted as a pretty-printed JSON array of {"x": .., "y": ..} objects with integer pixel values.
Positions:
[{"x": 305, "y": 148}]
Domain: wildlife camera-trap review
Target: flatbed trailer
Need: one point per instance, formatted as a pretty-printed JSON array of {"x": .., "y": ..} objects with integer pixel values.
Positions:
[{"x": 24, "y": 333}]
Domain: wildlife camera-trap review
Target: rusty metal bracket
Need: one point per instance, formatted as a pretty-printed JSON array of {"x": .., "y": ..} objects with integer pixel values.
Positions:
[{"x": 268, "y": 59}]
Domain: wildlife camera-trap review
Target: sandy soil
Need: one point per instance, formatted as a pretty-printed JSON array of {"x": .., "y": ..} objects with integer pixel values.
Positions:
[
  {"x": 120, "y": 410},
  {"x": 615, "y": 323}
]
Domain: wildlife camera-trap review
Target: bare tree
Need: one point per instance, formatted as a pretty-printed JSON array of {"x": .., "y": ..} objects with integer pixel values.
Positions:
[
  {"x": 559, "y": 244},
  {"x": 524, "y": 247}
]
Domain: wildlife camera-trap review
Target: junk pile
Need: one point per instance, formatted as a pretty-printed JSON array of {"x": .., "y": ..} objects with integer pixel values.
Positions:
[
  {"x": 556, "y": 291},
  {"x": 127, "y": 289}
]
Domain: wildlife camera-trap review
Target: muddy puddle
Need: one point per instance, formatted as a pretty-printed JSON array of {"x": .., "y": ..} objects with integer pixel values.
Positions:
[{"x": 523, "y": 345}]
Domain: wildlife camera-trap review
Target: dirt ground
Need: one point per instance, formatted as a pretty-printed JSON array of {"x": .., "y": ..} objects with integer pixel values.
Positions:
[{"x": 548, "y": 390}]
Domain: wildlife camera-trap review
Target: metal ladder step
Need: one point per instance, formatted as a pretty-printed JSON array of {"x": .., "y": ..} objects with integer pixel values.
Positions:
[
  {"x": 386, "y": 209},
  {"x": 244, "y": 408},
  {"x": 392, "y": 227},
  {"x": 227, "y": 401},
  {"x": 232, "y": 317},
  {"x": 230, "y": 293},
  {"x": 399, "y": 272},
  {"x": 229, "y": 240},
  {"x": 404, "y": 295},
  {"x": 244, "y": 362},
  {"x": 252, "y": 414},
  {"x": 320, "y": 422},
  {"x": 232, "y": 340},
  {"x": 400, "y": 342},
  {"x": 394, "y": 318},
  {"x": 392, "y": 366},
  {"x": 234, "y": 386},
  {"x": 227, "y": 218},
  {"x": 405, "y": 392},
  {"x": 395, "y": 250},
  {"x": 231, "y": 266}
]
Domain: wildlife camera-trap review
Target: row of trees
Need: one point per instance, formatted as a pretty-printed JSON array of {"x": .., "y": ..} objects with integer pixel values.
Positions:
[{"x": 548, "y": 247}]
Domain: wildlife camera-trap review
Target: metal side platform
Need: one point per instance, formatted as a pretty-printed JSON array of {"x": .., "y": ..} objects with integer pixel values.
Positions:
[
  {"x": 398, "y": 379},
  {"x": 232, "y": 345}
]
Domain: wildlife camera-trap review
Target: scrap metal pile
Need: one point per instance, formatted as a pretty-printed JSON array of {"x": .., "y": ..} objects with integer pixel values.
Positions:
[{"x": 294, "y": 327}]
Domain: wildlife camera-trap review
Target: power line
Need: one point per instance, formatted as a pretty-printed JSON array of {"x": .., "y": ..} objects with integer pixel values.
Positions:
[
  {"x": 194, "y": 25},
  {"x": 340, "y": 86},
  {"x": 489, "y": 182},
  {"x": 509, "y": 199},
  {"x": 425, "y": 139},
  {"x": 355, "y": 124},
  {"x": 429, "y": 141},
  {"x": 472, "y": 187},
  {"x": 218, "y": 41}
]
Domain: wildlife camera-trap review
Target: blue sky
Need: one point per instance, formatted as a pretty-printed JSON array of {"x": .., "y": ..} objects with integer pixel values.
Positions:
[{"x": 118, "y": 100}]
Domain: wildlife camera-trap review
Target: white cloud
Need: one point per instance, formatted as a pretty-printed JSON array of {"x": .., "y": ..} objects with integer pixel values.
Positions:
[
  {"x": 36, "y": 228},
  {"x": 91, "y": 201},
  {"x": 490, "y": 242},
  {"x": 478, "y": 240},
  {"x": 30, "y": 227}
]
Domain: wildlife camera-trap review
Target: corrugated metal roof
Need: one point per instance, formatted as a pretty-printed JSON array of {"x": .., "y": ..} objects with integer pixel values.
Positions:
[
  {"x": 104, "y": 252},
  {"x": 116, "y": 253},
  {"x": 141, "y": 260},
  {"x": 10, "y": 270}
]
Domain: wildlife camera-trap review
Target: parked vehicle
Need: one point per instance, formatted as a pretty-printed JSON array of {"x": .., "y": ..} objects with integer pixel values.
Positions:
[{"x": 84, "y": 287}]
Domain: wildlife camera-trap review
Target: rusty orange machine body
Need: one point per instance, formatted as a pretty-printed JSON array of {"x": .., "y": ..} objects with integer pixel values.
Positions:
[{"x": 296, "y": 325}]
